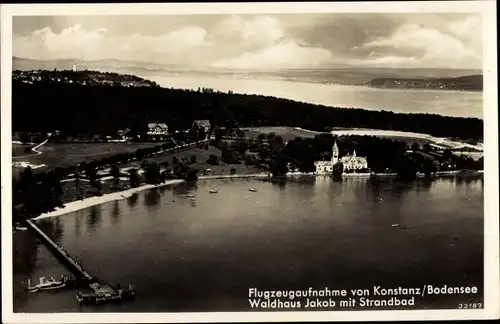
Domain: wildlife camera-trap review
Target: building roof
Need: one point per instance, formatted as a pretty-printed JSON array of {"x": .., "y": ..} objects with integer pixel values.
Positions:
[
  {"x": 348, "y": 158},
  {"x": 154, "y": 125},
  {"x": 202, "y": 123}
]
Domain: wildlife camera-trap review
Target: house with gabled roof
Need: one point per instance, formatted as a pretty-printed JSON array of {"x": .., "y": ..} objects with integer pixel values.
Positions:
[{"x": 157, "y": 131}]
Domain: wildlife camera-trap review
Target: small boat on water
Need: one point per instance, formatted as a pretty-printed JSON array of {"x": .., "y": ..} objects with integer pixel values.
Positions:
[
  {"x": 50, "y": 284},
  {"x": 213, "y": 191},
  {"x": 190, "y": 196},
  {"x": 19, "y": 228},
  {"x": 252, "y": 189}
]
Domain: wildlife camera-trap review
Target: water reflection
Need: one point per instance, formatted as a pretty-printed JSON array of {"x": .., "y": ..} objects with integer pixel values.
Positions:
[
  {"x": 152, "y": 197},
  {"x": 53, "y": 227},
  {"x": 333, "y": 233},
  {"x": 78, "y": 223},
  {"x": 191, "y": 186},
  {"x": 115, "y": 212},
  {"x": 24, "y": 249},
  {"x": 423, "y": 185},
  {"x": 93, "y": 219},
  {"x": 132, "y": 200}
]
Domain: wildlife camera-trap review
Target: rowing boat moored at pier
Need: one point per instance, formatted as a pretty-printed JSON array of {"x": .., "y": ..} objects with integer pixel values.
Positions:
[{"x": 51, "y": 284}]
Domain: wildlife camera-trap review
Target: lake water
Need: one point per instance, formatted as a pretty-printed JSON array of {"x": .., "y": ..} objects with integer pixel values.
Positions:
[
  {"x": 448, "y": 103},
  {"x": 311, "y": 232}
]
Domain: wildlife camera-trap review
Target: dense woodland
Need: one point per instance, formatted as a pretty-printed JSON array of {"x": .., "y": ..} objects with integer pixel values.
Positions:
[
  {"x": 466, "y": 83},
  {"x": 72, "y": 108}
]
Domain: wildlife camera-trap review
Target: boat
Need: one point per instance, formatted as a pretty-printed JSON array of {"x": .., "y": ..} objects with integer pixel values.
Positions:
[
  {"x": 252, "y": 189},
  {"x": 213, "y": 191},
  {"x": 190, "y": 196},
  {"x": 52, "y": 284},
  {"x": 18, "y": 228},
  {"x": 49, "y": 284}
]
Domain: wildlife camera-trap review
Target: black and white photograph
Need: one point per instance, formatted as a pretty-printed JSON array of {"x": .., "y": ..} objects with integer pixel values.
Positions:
[{"x": 215, "y": 162}]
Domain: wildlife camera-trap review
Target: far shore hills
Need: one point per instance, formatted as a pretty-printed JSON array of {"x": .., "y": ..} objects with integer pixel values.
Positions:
[
  {"x": 402, "y": 78},
  {"x": 463, "y": 83}
]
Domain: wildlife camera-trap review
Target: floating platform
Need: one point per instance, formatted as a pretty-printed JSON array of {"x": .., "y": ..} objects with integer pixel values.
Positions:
[{"x": 105, "y": 294}]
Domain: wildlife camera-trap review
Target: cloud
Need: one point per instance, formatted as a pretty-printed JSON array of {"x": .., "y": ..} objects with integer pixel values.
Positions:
[
  {"x": 77, "y": 42},
  {"x": 456, "y": 45},
  {"x": 279, "y": 56},
  {"x": 255, "y": 31},
  {"x": 264, "y": 41}
]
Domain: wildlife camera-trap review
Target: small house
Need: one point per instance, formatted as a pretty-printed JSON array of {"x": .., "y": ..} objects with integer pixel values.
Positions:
[{"x": 157, "y": 131}]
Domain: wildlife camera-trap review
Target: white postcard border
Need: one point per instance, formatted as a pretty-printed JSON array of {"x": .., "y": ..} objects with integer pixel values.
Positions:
[{"x": 490, "y": 110}]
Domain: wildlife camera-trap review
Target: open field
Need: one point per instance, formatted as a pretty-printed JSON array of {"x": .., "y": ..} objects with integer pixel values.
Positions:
[
  {"x": 288, "y": 133},
  {"x": 19, "y": 150},
  {"x": 474, "y": 155},
  {"x": 201, "y": 165},
  {"x": 60, "y": 155}
]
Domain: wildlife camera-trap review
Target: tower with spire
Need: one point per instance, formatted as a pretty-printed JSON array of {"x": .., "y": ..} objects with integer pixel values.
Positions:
[
  {"x": 335, "y": 153},
  {"x": 350, "y": 163}
]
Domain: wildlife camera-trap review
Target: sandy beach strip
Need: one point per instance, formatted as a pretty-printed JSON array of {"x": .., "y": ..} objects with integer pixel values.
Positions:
[{"x": 97, "y": 200}]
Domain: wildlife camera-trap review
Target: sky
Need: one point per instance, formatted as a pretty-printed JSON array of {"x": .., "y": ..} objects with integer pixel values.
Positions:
[{"x": 271, "y": 42}]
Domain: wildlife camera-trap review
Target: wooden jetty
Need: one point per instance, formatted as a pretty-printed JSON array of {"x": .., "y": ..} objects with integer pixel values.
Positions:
[
  {"x": 100, "y": 292},
  {"x": 74, "y": 265}
]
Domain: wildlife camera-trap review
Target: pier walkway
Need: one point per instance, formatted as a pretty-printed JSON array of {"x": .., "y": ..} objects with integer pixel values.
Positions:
[
  {"x": 62, "y": 253},
  {"x": 102, "y": 292}
]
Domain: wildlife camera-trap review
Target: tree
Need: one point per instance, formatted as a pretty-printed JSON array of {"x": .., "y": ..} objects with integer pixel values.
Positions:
[
  {"x": 152, "y": 173},
  {"x": 233, "y": 171},
  {"x": 54, "y": 182},
  {"x": 27, "y": 190},
  {"x": 115, "y": 173},
  {"x": 428, "y": 167},
  {"x": 230, "y": 156},
  {"x": 480, "y": 163},
  {"x": 202, "y": 133},
  {"x": 25, "y": 138},
  {"x": 218, "y": 133},
  {"x": 95, "y": 183},
  {"x": 133, "y": 178},
  {"x": 213, "y": 160},
  {"x": 415, "y": 147},
  {"x": 192, "y": 160},
  {"x": 279, "y": 168},
  {"x": 192, "y": 175},
  {"x": 406, "y": 168},
  {"x": 337, "y": 170}
]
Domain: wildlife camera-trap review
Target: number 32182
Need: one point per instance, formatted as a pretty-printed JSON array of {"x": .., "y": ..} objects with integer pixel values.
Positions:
[{"x": 470, "y": 306}]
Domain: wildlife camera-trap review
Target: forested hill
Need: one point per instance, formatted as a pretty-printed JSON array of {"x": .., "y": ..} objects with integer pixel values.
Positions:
[
  {"x": 44, "y": 106},
  {"x": 466, "y": 83}
]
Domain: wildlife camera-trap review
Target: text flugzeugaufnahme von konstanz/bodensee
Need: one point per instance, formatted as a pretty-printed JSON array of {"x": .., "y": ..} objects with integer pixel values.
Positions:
[{"x": 373, "y": 297}]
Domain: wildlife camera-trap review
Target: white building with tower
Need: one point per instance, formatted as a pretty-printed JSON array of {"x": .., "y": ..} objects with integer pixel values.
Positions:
[{"x": 350, "y": 162}]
